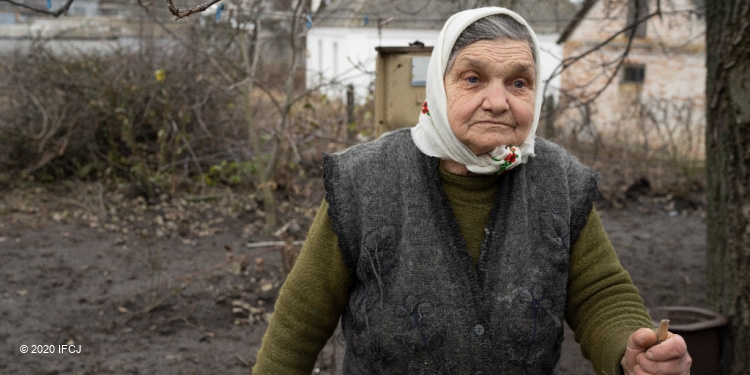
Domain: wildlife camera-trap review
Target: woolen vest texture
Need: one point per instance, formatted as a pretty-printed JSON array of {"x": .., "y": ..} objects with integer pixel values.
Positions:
[{"x": 417, "y": 305}]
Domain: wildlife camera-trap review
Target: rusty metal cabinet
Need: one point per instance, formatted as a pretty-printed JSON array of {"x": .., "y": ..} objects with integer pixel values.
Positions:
[{"x": 399, "y": 86}]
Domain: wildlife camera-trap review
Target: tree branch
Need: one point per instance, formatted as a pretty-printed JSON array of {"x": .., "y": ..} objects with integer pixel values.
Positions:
[
  {"x": 54, "y": 13},
  {"x": 629, "y": 30},
  {"x": 178, "y": 13}
]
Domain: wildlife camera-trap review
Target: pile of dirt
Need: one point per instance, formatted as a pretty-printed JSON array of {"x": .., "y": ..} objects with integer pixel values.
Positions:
[{"x": 187, "y": 284}]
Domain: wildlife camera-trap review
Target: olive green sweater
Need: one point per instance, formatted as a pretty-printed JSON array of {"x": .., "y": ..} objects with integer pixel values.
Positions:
[{"x": 603, "y": 306}]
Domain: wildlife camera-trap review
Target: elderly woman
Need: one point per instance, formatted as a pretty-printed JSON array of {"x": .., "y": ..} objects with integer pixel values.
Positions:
[{"x": 460, "y": 245}]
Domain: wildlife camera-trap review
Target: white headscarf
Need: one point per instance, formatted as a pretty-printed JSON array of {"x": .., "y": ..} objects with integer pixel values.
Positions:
[{"x": 433, "y": 134}]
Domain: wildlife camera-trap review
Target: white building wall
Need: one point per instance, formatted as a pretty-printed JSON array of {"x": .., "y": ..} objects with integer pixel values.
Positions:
[
  {"x": 337, "y": 57},
  {"x": 550, "y": 56}
]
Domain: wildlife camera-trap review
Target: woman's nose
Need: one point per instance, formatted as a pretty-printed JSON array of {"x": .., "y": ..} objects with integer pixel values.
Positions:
[{"x": 495, "y": 98}]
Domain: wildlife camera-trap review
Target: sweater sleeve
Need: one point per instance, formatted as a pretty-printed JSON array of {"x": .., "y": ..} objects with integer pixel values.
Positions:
[
  {"x": 603, "y": 306},
  {"x": 309, "y": 305}
]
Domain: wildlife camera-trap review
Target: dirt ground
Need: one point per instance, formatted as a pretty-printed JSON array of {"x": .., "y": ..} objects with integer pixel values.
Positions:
[{"x": 186, "y": 285}]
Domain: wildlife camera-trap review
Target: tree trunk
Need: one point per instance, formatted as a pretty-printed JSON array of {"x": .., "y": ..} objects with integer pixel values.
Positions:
[
  {"x": 728, "y": 173},
  {"x": 263, "y": 177}
]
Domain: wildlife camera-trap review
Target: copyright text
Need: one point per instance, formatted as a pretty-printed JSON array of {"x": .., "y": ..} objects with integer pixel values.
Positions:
[{"x": 51, "y": 349}]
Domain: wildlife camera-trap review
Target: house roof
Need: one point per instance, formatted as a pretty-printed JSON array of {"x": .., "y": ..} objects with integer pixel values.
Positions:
[
  {"x": 544, "y": 16},
  {"x": 700, "y": 6}
]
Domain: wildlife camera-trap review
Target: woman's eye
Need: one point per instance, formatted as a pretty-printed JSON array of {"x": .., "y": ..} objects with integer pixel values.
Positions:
[
  {"x": 472, "y": 80},
  {"x": 519, "y": 84}
]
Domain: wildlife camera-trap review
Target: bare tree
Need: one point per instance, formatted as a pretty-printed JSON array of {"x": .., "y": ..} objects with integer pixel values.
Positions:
[
  {"x": 255, "y": 54},
  {"x": 610, "y": 67},
  {"x": 605, "y": 100},
  {"x": 268, "y": 158},
  {"x": 266, "y": 133}
]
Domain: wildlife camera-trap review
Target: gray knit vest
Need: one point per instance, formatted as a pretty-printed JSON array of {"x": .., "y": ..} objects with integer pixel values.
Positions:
[{"x": 417, "y": 306}]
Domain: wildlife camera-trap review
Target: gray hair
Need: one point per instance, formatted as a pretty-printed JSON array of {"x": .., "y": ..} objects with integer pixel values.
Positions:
[{"x": 491, "y": 27}]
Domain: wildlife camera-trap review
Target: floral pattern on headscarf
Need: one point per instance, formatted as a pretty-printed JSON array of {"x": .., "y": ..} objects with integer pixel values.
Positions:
[
  {"x": 425, "y": 110},
  {"x": 508, "y": 160}
]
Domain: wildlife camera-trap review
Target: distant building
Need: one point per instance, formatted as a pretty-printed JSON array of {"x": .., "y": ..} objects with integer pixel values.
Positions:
[
  {"x": 87, "y": 26},
  {"x": 344, "y": 33},
  {"x": 656, "y": 99}
]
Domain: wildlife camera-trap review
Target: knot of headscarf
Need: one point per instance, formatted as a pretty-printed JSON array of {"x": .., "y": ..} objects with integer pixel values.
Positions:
[{"x": 433, "y": 134}]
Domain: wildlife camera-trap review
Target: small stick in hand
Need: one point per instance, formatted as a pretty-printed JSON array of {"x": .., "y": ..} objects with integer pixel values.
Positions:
[{"x": 662, "y": 331}]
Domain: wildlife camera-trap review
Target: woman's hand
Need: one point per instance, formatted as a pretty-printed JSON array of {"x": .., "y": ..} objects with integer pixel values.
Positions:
[{"x": 644, "y": 357}]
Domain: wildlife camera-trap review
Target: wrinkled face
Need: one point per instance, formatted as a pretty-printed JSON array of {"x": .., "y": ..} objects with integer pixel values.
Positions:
[{"x": 490, "y": 92}]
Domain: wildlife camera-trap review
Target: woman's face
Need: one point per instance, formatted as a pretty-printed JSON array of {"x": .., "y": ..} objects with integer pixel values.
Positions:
[{"x": 490, "y": 92}]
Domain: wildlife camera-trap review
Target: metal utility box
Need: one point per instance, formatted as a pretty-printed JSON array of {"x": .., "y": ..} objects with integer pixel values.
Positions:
[{"x": 399, "y": 86}]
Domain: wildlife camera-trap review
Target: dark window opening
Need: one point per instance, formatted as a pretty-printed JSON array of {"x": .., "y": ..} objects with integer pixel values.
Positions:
[{"x": 634, "y": 74}]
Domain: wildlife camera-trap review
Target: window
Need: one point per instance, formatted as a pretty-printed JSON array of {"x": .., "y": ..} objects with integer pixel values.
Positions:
[
  {"x": 320, "y": 55},
  {"x": 638, "y": 10},
  {"x": 419, "y": 70},
  {"x": 335, "y": 60},
  {"x": 633, "y": 74}
]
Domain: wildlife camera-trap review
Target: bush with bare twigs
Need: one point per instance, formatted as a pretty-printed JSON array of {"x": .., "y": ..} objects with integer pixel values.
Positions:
[{"x": 162, "y": 117}]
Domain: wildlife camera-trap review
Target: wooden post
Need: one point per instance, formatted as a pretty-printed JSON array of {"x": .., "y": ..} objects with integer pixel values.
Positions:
[{"x": 351, "y": 127}]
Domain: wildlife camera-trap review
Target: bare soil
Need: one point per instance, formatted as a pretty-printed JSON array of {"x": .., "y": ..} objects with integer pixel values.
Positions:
[{"x": 186, "y": 284}]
